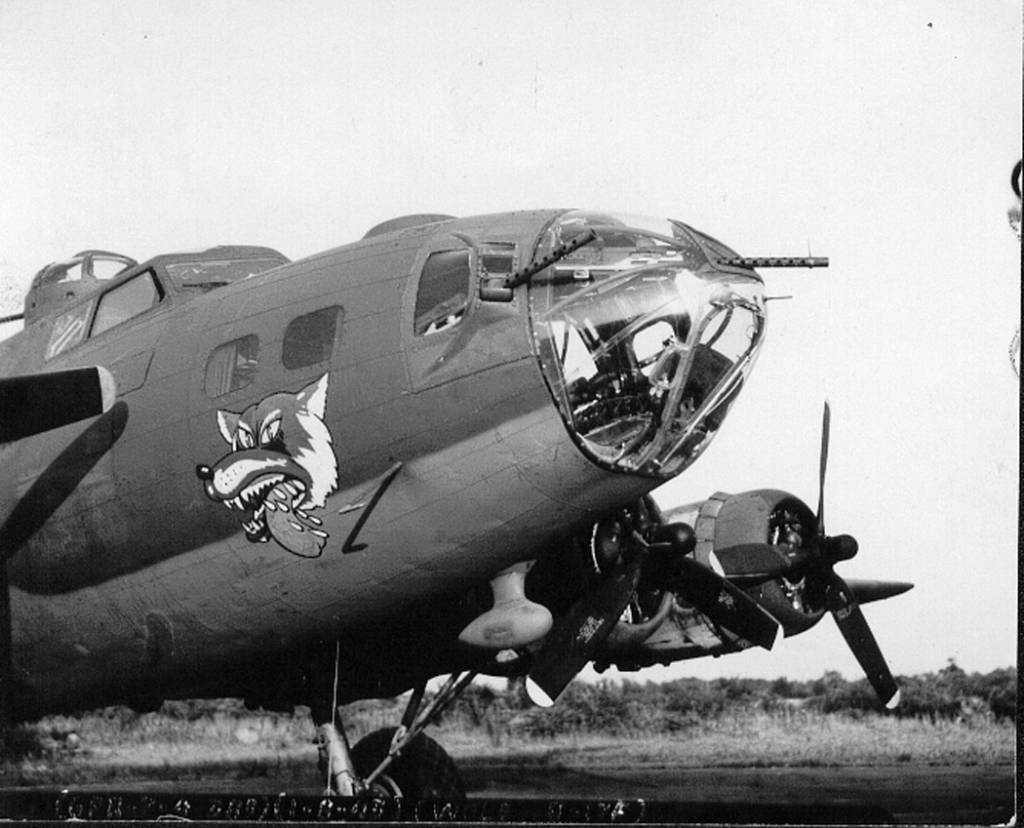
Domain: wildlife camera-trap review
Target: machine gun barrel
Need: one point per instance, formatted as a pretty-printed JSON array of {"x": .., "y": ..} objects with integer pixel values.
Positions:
[{"x": 775, "y": 261}]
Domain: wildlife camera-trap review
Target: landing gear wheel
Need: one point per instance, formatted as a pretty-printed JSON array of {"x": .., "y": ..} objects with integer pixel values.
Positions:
[{"x": 423, "y": 770}]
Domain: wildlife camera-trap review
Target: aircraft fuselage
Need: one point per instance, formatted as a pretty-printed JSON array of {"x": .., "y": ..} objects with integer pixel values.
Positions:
[{"x": 134, "y": 579}]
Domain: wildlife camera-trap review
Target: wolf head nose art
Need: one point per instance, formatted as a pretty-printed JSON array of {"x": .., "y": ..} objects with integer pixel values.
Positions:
[{"x": 280, "y": 468}]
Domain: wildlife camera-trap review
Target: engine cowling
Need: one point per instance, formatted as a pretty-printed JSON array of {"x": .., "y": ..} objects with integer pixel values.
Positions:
[
  {"x": 752, "y": 536},
  {"x": 757, "y": 540}
]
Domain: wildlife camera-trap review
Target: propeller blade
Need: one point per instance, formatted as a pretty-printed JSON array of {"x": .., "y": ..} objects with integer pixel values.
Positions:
[
  {"x": 61, "y": 477},
  {"x": 826, "y": 420},
  {"x": 750, "y": 564},
  {"x": 726, "y": 604},
  {"x": 576, "y": 636},
  {"x": 32, "y": 403},
  {"x": 841, "y": 598},
  {"x": 867, "y": 591},
  {"x": 853, "y": 625}
]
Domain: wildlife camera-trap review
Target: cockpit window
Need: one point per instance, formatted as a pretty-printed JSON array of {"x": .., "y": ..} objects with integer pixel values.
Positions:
[
  {"x": 125, "y": 302},
  {"x": 107, "y": 268},
  {"x": 68, "y": 330},
  {"x": 644, "y": 342},
  {"x": 71, "y": 272},
  {"x": 443, "y": 292}
]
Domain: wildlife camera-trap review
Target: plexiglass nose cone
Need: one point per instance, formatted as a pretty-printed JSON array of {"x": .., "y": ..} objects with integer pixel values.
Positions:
[{"x": 644, "y": 339}]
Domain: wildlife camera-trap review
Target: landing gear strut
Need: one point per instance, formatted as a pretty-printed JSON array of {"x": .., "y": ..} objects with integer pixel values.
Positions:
[
  {"x": 395, "y": 762},
  {"x": 335, "y": 763}
]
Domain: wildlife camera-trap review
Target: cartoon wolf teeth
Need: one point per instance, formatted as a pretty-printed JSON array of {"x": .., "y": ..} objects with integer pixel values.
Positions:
[{"x": 281, "y": 468}]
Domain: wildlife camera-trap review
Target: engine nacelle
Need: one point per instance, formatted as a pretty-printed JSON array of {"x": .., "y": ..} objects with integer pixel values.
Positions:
[
  {"x": 753, "y": 534},
  {"x": 753, "y": 539}
]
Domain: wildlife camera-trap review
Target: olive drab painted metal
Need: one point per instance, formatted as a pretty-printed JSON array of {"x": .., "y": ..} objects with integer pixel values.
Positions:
[{"x": 351, "y": 447}]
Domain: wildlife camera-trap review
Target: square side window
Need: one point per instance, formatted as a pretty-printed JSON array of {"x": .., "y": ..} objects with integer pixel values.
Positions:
[
  {"x": 232, "y": 365},
  {"x": 309, "y": 339}
]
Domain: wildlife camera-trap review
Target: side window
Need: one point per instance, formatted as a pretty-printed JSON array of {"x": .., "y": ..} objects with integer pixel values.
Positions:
[
  {"x": 443, "y": 292},
  {"x": 232, "y": 365},
  {"x": 125, "y": 302},
  {"x": 309, "y": 339}
]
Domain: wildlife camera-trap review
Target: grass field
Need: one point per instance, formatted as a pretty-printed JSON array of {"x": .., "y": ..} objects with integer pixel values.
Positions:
[
  {"x": 226, "y": 739},
  {"x": 757, "y": 739}
]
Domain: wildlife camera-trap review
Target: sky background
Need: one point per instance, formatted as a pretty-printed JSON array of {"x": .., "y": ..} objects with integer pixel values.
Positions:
[{"x": 879, "y": 134}]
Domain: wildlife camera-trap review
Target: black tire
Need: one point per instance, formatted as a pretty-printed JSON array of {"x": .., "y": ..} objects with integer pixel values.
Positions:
[{"x": 422, "y": 771}]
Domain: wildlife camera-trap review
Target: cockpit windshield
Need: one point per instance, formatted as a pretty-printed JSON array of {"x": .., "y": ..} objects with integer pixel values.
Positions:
[{"x": 643, "y": 340}]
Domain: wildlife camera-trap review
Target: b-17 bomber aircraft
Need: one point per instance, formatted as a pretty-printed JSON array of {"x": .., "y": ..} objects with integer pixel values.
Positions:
[{"x": 430, "y": 452}]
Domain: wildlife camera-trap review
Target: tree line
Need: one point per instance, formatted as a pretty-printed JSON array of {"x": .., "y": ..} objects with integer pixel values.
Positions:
[{"x": 628, "y": 707}]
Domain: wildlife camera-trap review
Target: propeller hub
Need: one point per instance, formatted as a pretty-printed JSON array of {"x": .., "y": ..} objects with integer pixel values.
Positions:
[
  {"x": 838, "y": 548},
  {"x": 606, "y": 544},
  {"x": 679, "y": 535}
]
